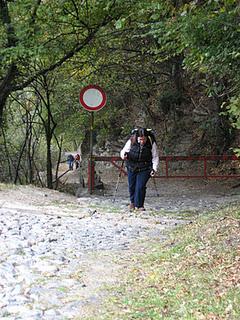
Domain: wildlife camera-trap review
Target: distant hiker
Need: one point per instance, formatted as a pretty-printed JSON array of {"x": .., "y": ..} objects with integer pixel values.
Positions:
[
  {"x": 77, "y": 160},
  {"x": 141, "y": 155},
  {"x": 70, "y": 161}
]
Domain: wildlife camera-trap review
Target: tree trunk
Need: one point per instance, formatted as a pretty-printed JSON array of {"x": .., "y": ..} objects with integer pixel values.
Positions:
[
  {"x": 49, "y": 161},
  {"x": 9, "y": 174},
  {"x": 59, "y": 159},
  {"x": 177, "y": 74},
  {"x": 49, "y": 134},
  {"x": 8, "y": 78},
  {"x": 6, "y": 89}
]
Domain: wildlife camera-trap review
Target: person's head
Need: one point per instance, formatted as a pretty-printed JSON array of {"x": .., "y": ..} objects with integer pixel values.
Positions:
[{"x": 142, "y": 136}]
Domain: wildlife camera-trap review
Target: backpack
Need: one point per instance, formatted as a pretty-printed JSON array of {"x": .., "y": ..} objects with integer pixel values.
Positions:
[
  {"x": 70, "y": 157},
  {"x": 147, "y": 132}
]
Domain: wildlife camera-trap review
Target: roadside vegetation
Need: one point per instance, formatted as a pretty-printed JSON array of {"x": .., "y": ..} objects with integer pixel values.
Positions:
[
  {"x": 157, "y": 60},
  {"x": 193, "y": 275}
]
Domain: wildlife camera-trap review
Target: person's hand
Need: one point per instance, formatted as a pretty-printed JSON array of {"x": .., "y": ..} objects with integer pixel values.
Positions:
[{"x": 152, "y": 173}]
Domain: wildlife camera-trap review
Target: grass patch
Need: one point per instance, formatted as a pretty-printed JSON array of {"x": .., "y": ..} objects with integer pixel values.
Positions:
[
  {"x": 193, "y": 275},
  {"x": 7, "y": 186}
]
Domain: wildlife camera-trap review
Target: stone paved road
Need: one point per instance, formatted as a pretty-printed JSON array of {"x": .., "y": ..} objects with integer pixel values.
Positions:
[{"x": 57, "y": 252}]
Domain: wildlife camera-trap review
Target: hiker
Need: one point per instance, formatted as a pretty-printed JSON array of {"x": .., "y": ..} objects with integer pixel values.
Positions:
[
  {"x": 141, "y": 155},
  {"x": 77, "y": 160},
  {"x": 70, "y": 161}
]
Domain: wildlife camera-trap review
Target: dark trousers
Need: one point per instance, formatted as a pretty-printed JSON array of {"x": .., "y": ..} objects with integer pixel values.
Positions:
[
  {"x": 70, "y": 164},
  {"x": 137, "y": 186}
]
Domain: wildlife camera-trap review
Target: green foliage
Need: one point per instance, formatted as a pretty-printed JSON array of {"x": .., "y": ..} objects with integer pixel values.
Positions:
[
  {"x": 210, "y": 33},
  {"x": 233, "y": 111},
  {"x": 36, "y": 38},
  {"x": 206, "y": 34},
  {"x": 50, "y": 31},
  {"x": 130, "y": 48}
]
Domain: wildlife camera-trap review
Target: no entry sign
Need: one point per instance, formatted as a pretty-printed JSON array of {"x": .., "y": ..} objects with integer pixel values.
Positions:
[{"x": 92, "y": 98}]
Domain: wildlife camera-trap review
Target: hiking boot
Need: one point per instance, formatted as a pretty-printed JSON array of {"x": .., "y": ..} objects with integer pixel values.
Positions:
[
  {"x": 141, "y": 209},
  {"x": 132, "y": 207}
]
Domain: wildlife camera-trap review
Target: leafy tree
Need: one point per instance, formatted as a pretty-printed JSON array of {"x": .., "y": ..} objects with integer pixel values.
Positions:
[
  {"x": 52, "y": 31},
  {"x": 210, "y": 35},
  {"x": 158, "y": 57},
  {"x": 204, "y": 38}
]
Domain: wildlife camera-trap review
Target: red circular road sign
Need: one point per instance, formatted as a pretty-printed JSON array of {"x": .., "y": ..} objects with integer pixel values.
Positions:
[{"x": 92, "y": 98}]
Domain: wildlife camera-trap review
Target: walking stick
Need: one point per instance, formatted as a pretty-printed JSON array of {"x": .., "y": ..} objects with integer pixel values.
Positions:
[
  {"x": 155, "y": 185},
  {"x": 118, "y": 180}
]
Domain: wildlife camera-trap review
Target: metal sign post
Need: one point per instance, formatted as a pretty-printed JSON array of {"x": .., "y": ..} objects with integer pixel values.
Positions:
[
  {"x": 92, "y": 98},
  {"x": 91, "y": 161}
]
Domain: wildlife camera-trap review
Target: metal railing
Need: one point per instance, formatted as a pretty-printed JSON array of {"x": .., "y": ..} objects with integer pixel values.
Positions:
[{"x": 166, "y": 172}]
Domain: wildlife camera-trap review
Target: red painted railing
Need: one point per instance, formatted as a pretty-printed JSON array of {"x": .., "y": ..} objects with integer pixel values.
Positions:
[
  {"x": 204, "y": 160},
  {"x": 167, "y": 159}
]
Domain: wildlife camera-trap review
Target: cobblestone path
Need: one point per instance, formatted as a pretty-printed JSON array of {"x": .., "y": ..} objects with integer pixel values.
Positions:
[{"x": 58, "y": 252}]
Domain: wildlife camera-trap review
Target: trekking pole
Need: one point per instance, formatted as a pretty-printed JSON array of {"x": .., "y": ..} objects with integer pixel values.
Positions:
[
  {"x": 155, "y": 185},
  {"x": 118, "y": 180}
]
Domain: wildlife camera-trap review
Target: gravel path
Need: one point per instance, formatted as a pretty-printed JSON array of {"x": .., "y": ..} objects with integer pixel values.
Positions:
[{"x": 58, "y": 252}]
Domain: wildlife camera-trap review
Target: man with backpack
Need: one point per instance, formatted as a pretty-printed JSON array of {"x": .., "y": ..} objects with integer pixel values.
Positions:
[
  {"x": 70, "y": 161},
  {"x": 141, "y": 155}
]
